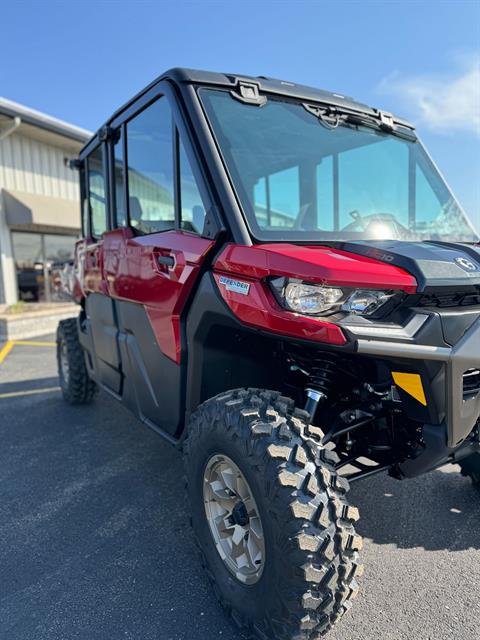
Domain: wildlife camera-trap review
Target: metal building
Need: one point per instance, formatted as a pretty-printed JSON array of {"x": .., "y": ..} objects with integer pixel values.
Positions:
[{"x": 39, "y": 199}]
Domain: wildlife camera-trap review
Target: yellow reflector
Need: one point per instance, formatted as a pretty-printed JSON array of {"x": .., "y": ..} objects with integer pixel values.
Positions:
[{"x": 412, "y": 384}]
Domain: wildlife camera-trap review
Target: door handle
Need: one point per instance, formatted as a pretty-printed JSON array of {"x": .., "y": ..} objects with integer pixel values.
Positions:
[{"x": 169, "y": 261}]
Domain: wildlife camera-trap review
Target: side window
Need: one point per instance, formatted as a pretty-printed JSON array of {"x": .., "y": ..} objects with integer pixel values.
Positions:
[
  {"x": 192, "y": 215},
  {"x": 150, "y": 169},
  {"x": 285, "y": 193},
  {"x": 277, "y": 198},
  {"x": 96, "y": 192},
  {"x": 325, "y": 205},
  {"x": 84, "y": 197},
  {"x": 120, "y": 213},
  {"x": 262, "y": 202}
]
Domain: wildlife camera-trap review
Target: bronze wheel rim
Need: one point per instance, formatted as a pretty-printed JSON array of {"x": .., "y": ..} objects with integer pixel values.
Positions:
[{"x": 234, "y": 519}]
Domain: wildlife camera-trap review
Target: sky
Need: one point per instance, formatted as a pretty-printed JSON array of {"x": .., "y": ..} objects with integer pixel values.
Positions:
[{"x": 81, "y": 60}]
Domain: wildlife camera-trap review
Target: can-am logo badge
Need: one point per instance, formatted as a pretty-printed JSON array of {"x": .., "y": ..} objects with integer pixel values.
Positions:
[
  {"x": 468, "y": 265},
  {"x": 235, "y": 285}
]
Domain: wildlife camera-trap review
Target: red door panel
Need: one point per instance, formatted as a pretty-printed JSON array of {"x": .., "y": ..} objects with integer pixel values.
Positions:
[{"x": 157, "y": 271}]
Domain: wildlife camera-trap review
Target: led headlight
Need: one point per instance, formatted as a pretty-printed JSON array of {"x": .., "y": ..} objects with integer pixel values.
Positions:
[
  {"x": 365, "y": 302},
  {"x": 311, "y": 298},
  {"x": 319, "y": 299}
]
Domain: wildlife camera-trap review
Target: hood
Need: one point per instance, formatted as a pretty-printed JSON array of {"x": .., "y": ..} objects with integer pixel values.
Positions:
[{"x": 433, "y": 264}]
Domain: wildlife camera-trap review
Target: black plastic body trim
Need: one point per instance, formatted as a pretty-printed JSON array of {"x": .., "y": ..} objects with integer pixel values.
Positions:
[
  {"x": 123, "y": 357},
  {"x": 436, "y": 452}
]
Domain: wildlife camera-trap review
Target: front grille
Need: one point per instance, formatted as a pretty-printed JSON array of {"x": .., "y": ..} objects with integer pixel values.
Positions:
[
  {"x": 471, "y": 383},
  {"x": 445, "y": 300}
]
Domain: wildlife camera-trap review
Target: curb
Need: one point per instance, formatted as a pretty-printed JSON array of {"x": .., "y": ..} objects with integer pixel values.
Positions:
[{"x": 33, "y": 324}]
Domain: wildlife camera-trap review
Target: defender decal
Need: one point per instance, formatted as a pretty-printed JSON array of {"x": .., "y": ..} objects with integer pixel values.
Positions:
[{"x": 235, "y": 285}]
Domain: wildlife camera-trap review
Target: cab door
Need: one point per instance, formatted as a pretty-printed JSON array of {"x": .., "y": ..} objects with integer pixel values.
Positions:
[
  {"x": 101, "y": 326},
  {"x": 97, "y": 204},
  {"x": 152, "y": 259}
]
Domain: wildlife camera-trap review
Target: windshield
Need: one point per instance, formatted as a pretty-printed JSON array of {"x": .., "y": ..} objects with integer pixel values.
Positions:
[{"x": 300, "y": 179}]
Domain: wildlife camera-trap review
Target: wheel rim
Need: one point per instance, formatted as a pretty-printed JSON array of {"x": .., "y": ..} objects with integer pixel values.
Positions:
[
  {"x": 234, "y": 519},
  {"x": 64, "y": 366}
]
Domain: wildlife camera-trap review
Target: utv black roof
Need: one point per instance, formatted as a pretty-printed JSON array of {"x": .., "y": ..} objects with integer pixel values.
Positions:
[{"x": 180, "y": 75}]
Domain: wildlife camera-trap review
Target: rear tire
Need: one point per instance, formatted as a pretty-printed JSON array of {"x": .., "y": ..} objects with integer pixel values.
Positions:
[
  {"x": 76, "y": 385},
  {"x": 470, "y": 467},
  {"x": 309, "y": 542}
]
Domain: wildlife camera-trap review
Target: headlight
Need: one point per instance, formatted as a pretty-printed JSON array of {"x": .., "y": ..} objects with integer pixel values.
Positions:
[
  {"x": 364, "y": 302},
  {"x": 318, "y": 299},
  {"x": 311, "y": 298}
]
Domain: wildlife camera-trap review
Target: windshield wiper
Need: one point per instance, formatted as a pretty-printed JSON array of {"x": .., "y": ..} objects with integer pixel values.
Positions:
[{"x": 331, "y": 117}]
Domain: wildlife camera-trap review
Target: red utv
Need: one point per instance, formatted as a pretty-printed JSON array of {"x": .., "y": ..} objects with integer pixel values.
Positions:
[{"x": 277, "y": 280}]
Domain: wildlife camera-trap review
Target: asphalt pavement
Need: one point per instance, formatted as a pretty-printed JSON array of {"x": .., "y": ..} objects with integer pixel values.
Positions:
[{"x": 95, "y": 541}]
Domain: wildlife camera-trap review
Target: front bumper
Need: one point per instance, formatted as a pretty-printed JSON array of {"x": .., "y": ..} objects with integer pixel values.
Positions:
[{"x": 461, "y": 415}]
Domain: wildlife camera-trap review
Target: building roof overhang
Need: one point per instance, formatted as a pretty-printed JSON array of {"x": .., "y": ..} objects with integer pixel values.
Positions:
[{"x": 41, "y": 126}]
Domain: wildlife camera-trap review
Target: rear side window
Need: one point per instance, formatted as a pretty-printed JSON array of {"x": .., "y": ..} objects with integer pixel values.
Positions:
[
  {"x": 84, "y": 197},
  {"x": 150, "y": 169},
  {"x": 192, "y": 213},
  {"x": 96, "y": 192},
  {"x": 119, "y": 179}
]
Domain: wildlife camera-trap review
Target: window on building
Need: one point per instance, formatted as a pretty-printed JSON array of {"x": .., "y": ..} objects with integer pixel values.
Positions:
[
  {"x": 150, "y": 169},
  {"x": 119, "y": 169},
  {"x": 39, "y": 261},
  {"x": 27, "y": 249},
  {"x": 58, "y": 249},
  {"x": 96, "y": 192},
  {"x": 192, "y": 209}
]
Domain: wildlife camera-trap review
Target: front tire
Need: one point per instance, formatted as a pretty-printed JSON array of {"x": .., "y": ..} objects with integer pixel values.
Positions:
[
  {"x": 76, "y": 385},
  {"x": 470, "y": 467},
  {"x": 309, "y": 545}
]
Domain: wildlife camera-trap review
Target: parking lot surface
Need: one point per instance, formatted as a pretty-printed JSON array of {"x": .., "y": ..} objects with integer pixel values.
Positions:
[{"x": 95, "y": 540}]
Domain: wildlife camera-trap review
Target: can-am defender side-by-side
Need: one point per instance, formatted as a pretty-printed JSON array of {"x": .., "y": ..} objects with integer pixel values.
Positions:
[{"x": 277, "y": 280}]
